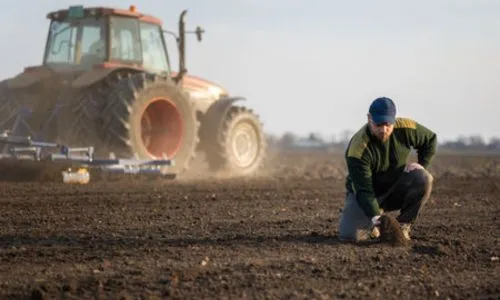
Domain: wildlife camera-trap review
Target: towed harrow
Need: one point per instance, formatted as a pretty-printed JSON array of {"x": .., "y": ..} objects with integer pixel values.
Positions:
[{"x": 42, "y": 154}]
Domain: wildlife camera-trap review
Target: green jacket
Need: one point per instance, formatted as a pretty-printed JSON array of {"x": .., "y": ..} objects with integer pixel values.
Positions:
[{"x": 373, "y": 166}]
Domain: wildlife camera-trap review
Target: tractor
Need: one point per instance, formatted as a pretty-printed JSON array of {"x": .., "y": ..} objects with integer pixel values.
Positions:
[{"x": 106, "y": 80}]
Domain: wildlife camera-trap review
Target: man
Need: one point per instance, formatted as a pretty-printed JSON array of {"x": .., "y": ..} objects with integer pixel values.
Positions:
[{"x": 379, "y": 177}]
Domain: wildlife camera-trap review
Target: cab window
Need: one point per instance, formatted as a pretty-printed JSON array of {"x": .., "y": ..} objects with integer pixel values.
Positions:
[
  {"x": 125, "y": 39},
  {"x": 71, "y": 42},
  {"x": 153, "y": 50}
]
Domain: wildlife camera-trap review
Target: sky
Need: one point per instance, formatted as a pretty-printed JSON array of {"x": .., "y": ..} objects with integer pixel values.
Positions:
[{"x": 316, "y": 65}]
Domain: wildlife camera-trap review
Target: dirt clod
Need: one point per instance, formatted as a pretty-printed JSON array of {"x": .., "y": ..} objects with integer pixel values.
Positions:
[
  {"x": 38, "y": 294},
  {"x": 391, "y": 233},
  {"x": 69, "y": 286}
]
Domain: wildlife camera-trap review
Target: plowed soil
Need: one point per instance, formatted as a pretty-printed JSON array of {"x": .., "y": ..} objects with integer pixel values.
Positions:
[{"x": 269, "y": 237}]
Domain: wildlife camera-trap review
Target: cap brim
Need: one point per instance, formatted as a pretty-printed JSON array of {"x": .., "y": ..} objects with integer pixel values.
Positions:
[{"x": 380, "y": 119}]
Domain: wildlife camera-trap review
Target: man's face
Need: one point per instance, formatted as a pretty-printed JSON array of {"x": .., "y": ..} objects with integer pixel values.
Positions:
[{"x": 381, "y": 131}]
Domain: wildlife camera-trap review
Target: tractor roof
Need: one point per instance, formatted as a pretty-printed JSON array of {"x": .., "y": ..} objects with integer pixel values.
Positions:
[{"x": 103, "y": 11}]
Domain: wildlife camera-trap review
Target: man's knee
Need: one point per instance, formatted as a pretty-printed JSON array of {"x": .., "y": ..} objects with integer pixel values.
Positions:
[
  {"x": 418, "y": 194},
  {"x": 422, "y": 179},
  {"x": 352, "y": 219},
  {"x": 347, "y": 227}
]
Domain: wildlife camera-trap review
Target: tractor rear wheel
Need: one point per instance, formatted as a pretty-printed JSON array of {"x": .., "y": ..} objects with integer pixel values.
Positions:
[
  {"x": 79, "y": 120},
  {"x": 16, "y": 111},
  {"x": 240, "y": 145},
  {"x": 30, "y": 112},
  {"x": 149, "y": 117}
]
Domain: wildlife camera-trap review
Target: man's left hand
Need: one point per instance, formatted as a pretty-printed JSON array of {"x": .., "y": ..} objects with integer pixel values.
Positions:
[{"x": 413, "y": 166}]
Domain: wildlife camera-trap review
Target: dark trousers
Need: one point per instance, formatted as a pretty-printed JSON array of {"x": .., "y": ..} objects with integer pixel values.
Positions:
[{"x": 408, "y": 195}]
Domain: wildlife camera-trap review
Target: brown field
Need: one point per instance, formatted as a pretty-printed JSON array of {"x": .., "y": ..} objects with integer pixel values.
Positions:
[{"x": 270, "y": 237}]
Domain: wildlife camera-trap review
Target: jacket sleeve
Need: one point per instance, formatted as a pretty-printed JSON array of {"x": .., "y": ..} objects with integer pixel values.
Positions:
[
  {"x": 424, "y": 141},
  {"x": 361, "y": 177}
]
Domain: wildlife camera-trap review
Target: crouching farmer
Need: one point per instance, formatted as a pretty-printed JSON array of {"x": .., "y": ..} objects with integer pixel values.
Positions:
[{"x": 379, "y": 178}]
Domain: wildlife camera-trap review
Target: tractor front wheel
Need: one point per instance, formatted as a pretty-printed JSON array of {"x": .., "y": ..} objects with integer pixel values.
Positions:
[{"x": 241, "y": 144}]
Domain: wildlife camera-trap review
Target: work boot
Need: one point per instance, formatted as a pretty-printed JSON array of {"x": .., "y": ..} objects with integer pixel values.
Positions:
[
  {"x": 406, "y": 228},
  {"x": 375, "y": 233}
]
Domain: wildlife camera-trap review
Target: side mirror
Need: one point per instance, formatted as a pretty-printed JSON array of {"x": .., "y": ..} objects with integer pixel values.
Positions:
[{"x": 199, "y": 31}]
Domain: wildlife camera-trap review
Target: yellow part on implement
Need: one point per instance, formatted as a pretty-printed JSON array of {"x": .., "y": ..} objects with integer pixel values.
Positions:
[{"x": 82, "y": 176}]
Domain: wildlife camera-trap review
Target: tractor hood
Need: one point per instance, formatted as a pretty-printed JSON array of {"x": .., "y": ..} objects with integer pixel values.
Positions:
[{"x": 199, "y": 88}]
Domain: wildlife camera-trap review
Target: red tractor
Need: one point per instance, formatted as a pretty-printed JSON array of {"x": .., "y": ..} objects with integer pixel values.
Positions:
[{"x": 106, "y": 80}]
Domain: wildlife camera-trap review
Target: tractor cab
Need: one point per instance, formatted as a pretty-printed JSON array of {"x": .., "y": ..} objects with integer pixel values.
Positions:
[{"x": 85, "y": 37}]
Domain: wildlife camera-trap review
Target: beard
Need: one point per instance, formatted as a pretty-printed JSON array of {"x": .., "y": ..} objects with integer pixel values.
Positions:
[{"x": 383, "y": 137}]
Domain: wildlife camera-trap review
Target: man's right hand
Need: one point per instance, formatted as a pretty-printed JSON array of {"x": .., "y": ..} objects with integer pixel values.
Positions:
[{"x": 376, "y": 220}]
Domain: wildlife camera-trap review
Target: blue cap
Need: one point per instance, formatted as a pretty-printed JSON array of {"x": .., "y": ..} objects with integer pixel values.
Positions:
[{"x": 383, "y": 110}]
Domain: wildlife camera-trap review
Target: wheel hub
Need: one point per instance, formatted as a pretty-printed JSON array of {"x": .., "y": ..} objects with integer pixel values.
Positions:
[
  {"x": 161, "y": 128},
  {"x": 244, "y": 144}
]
